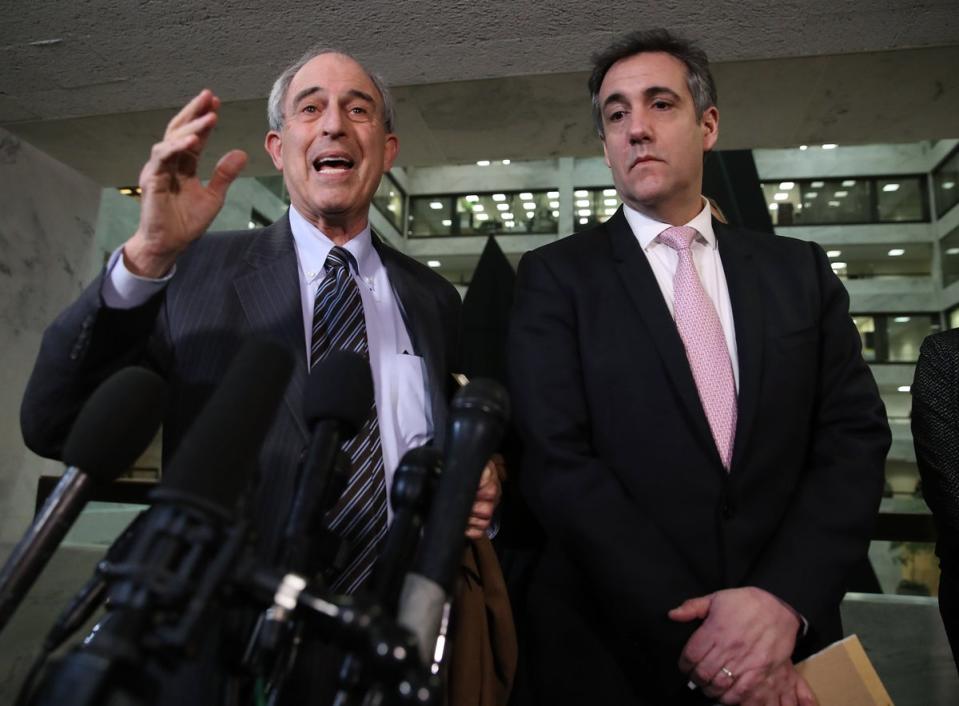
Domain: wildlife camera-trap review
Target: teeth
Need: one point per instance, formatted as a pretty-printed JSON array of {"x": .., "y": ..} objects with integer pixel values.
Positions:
[{"x": 332, "y": 163}]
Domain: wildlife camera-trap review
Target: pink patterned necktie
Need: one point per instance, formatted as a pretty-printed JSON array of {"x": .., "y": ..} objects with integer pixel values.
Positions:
[{"x": 702, "y": 335}]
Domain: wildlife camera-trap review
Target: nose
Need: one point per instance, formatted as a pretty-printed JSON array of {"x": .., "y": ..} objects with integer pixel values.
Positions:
[
  {"x": 333, "y": 122},
  {"x": 639, "y": 127}
]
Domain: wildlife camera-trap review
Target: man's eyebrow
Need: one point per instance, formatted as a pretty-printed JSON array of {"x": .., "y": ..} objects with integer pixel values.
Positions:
[
  {"x": 647, "y": 93},
  {"x": 353, "y": 92}
]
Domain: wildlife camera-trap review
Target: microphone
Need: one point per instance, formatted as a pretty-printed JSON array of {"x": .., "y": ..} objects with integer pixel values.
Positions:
[
  {"x": 112, "y": 429},
  {"x": 478, "y": 416},
  {"x": 189, "y": 544}
]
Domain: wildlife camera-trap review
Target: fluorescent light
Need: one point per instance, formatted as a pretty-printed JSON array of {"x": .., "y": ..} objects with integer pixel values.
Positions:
[
  {"x": 555, "y": 214},
  {"x": 530, "y": 214},
  {"x": 507, "y": 216},
  {"x": 392, "y": 194},
  {"x": 833, "y": 253},
  {"x": 948, "y": 184},
  {"x": 482, "y": 216},
  {"x": 902, "y": 319},
  {"x": 391, "y": 207},
  {"x": 433, "y": 263},
  {"x": 447, "y": 222},
  {"x": 529, "y": 206},
  {"x": 583, "y": 221},
  {"x": 506, "y": 161},
  {"x": 803, "y": 147},
  {"x": 609, "y": 192},
  {"x": 582, "y": 203},
  {"x": 610, "y": 202},
  {"x": 251, "y": 224},
  {"x": 833, "y": 203},
  {"x": 509, "y": 224},
  {"x": 849, "y": 182},
  {"x": 472, "y": 198},
  {"x": 552, "y": 194},
  {"x": 896, "y": 252},
  {"x": 584, "y": 212},
  {"x": 502, "y": 206},
  {"x": 830, "y": 146},
  {"x": 610, "y": 211},
  {"x": 781, "y": 196},
  {"x": 837, "y": 265},
  {"x": 774, "y": 207},
  {"x": 903, "y": 388},
  {"x": 952, "y": 251},
  {"x": 436, "y": 205},
  {"x": 526, "y": 196},
  {"x": 786, "y": 185},
  {"x": 554, "y": 204},
  {"x": 580, "y": 193},
  {"x": 817, "y": 184},
  {"x": 478, "y": 208},
  {"x": 841, "y": 194},
  {"x": 890, "y": 187},
  {"x": 499, "y": 197},
  {"x": 483, "y": 163},
  {"x": 811, "y": 194}
]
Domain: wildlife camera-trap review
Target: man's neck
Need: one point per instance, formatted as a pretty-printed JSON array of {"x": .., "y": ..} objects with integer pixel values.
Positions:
[
  {"x": 674, "y": 214},
  {"x": 340, "y": 230}
]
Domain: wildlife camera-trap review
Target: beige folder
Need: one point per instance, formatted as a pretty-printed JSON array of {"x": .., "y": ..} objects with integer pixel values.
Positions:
[{"x": 842, "y": 675}]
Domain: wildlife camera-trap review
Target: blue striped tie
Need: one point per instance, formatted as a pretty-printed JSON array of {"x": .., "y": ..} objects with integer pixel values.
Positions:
[{"x": 359, "y": 516}]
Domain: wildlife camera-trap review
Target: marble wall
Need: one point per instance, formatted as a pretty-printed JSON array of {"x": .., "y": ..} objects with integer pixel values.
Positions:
[{"x": 48, "y": 252}]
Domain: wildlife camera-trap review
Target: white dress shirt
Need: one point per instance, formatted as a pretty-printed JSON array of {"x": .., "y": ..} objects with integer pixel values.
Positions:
[
  {"x": 705, "y": 251},
  {"x": 399, "y": 376}
]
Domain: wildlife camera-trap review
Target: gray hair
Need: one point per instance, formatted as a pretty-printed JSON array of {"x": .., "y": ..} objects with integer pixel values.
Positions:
[
  {"x": 274, "y": 106},
  {"x": 699, "y": 79}
]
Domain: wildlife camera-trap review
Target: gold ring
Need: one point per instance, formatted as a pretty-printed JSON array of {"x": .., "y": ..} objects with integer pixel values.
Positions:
[{"x": 728, "y": 673}]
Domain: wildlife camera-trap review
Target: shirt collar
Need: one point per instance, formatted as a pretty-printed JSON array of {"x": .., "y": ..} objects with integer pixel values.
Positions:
[
  {"x": 646, "y": 229},
  {"x": 313, "y": 247}
]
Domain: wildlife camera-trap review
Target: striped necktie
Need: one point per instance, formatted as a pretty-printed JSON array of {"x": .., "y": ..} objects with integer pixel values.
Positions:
[{"x": 359, "y": 517}]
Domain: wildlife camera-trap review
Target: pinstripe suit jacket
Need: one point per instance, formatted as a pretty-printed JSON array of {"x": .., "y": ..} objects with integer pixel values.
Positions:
[{"x": 228, "y": 287}]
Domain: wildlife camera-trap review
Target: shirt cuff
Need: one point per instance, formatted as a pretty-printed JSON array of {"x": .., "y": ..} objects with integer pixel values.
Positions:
[{"x": 121, "y": 289}]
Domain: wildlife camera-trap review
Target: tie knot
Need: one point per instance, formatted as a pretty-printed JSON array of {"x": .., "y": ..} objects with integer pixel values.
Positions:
[
  {"x": 338, "y": 258},
  {"x": 678, "y": 237}
]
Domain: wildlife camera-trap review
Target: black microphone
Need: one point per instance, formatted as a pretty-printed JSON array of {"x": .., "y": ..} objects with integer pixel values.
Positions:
[
  {"x": 113, "y": 428},
  {"x": 478, "y": 416},
  {"x": 188, "y": 546},
  {"x": 337, "y": 401}
]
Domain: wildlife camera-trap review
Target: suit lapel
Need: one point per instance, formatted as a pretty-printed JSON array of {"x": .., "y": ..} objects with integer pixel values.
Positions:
[
  {"x": 422, "y": 319},
  {"x": 742, "y": 279},
  {"x": 269, "y": 291},
  {"x": 637, "y": 277}
]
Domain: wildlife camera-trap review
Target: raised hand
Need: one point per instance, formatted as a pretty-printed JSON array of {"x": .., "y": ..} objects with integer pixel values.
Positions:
[{"x": 176, "y": 207}]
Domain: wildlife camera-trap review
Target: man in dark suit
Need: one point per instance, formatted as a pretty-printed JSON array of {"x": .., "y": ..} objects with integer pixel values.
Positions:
[
  {"x": 184, "y": 302},
  {"x": 704, "y": 443}
]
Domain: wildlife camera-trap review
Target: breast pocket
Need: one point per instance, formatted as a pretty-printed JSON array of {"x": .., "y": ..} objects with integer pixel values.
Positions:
[{"x": 796, "y": 338}]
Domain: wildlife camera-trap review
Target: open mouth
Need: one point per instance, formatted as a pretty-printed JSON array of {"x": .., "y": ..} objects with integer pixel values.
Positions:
[{"x": 332, "y": 164}]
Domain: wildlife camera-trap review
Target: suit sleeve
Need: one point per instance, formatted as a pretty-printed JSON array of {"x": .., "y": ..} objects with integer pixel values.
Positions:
[
  {"x": 86, "y": 344},
  {"x": 630, "y": 567},
  {"x": 935, "y": 433},
  {"x": 827, "y": 526}
]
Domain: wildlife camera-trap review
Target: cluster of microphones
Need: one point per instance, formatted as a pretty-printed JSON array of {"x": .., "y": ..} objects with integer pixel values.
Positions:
[{"x": 190, "y": 554}]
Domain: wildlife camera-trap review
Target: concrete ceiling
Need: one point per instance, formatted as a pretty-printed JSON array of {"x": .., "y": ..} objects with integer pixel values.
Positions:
[{"x": 93, "y": 83}]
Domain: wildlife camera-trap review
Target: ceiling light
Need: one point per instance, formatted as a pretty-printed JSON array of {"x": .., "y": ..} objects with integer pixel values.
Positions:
[
  {"x": 529, "y": 206},
  {"x": 436, "y": 205},
  {"x": 774, "y": 207},
  {"x": 952, "y": 251},
  {"x": 506, "y": 161},
  {"x": 902, "y": 319},
  {"x": 472, "y": 198},
  {"x": 126, "y": 191},
  {"x": 830, "y": 146},
  {"x": 392, "y": 194},
  {"x": 948, "y": 184},
  {"x": 841, "y": 194},
  {"x": 447, "y": 222},
  {"x": 833, "y": 203},
  {"x": 478, "y": 208},
  {"x": 610, "y": 202},
  {"x": 849, "y": 182},
  {"x": 582, "y": 203},
  {"x": 391, "y": 207},
  {"x": 817, "y": 184},
  {"x": 786, "y": 185},
  {"x": 554, "y": 204},
  {"x": 812, "y": 194},
  {"x": 583, "y": 221},
  {"x": 509, "y": 224},
  {"x": 609, "y": 192},
  {"x": 896, "y": 252},
  {"x": 833, "y": 253},
  {"x": 804, "y": 147},
  {"x": 781, "y": 196},
  {"x": 433, "y": 263},
  {"x": 555, "y": 214},
  {"x": 584, "y": 212},
  {"x": 610, "y": 211},
  {"x": 251, "y": 224},
  {"x": 891, "y": 187},
  {"x": 499, "y": 197},
  {"x": 507, "y": 216},
  {"x": 483, "y": 163},
  {"x": 502, "y": 206},
  {"x": 530, "y": 214},
  {"x": 580, "y": 193},
  {"x": 552, "y": 194},
  {"x": 526, "y": 196},
  {"x": 837, "y": 265},
  {"x": 482, "y": 216},
  {"x": 903, "y": 388}
]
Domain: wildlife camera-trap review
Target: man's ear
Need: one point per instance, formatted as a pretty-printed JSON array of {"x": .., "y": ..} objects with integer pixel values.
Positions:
[
  {"x": 390, "y": 149},
  {"x": 710, "y": 125},
  {"x": 605, "y": 153},
  {"x": 273, "y": 144}
]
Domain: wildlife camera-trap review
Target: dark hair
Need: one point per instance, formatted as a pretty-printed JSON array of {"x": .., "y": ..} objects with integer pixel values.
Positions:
[{"x": 698, "y": 77}]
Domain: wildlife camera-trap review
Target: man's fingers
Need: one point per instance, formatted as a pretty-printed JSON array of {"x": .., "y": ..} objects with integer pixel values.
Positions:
[
  {"x": 744, "y": 684},
  {"x": 202, "y": 102},
  {"x": 482, "y": 510},
  {"x": 694, "y": 608},
  {"x": 226, "y": 170},
  {"x": 804, "y": 694}
]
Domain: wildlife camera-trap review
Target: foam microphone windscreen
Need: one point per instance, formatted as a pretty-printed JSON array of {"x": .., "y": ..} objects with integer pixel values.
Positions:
[
  {"x": 216, "y": 459},
  {"x": 116, "y": 424},
  {"x": 340, "y": 388}
]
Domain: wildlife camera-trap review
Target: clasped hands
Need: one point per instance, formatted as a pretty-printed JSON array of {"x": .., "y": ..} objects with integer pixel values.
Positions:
[{"x": 741, "y": 652}]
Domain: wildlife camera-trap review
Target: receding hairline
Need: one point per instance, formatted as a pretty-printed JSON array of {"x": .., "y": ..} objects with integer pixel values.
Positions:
[{"x": 356, "y": 92}]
